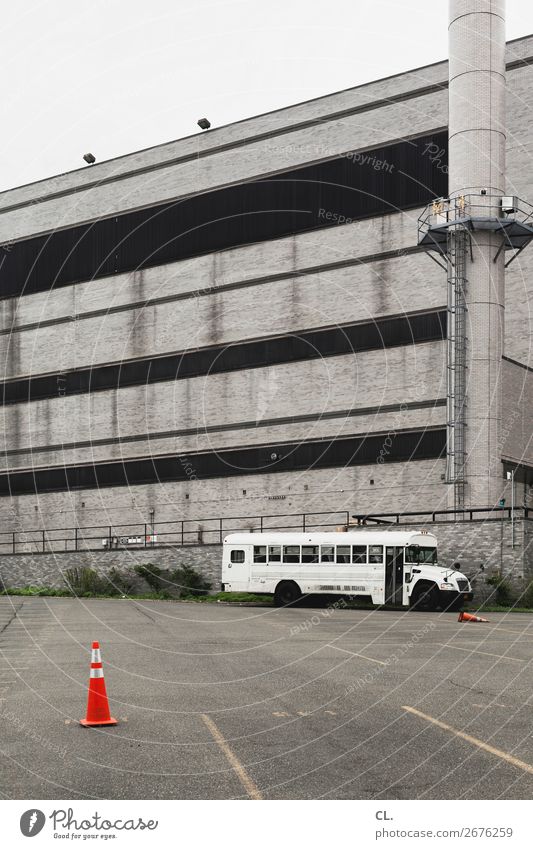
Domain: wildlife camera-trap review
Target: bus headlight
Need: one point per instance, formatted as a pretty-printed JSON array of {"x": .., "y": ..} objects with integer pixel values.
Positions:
[{"x": 447, "y": 587}]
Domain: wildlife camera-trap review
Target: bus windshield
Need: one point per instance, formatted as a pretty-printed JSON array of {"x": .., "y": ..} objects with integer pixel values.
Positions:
[{"x": 420, "y": 554}]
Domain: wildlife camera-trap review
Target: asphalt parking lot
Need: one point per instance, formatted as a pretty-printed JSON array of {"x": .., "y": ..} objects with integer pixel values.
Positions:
[{"x": 219, "y": 702}]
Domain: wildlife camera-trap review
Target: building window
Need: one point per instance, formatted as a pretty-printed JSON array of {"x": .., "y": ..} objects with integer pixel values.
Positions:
[{"x": 237, "y": 555}]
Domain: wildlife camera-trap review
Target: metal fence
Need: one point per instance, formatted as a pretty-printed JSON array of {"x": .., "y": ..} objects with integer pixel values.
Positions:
[
  {"x": 161, "y": 534},
  {"x": 211, "y": 530},
  {"x": 462, "y": 515}
]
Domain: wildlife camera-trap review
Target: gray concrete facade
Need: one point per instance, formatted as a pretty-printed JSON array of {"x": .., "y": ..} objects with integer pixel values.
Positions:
[{"x": 351, "y": 273}]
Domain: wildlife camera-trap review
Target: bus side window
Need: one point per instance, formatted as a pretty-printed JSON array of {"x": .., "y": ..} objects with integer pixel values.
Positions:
[
  {"x": 375, "y": 554},
  {"x": 358, "y": 553},
  {"x": 274, "y": 553},
  {"x": 291, "y": 553},
  {"x": 260, "y": 554},
  {"x": 237, "y": 556},
  {"x": 343, "y": 554},
  {"x": 309, "y": 553},
  {"x": 327, "y": 553}
]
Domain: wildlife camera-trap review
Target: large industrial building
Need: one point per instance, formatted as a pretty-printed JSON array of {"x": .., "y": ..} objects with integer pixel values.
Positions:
[{"x": 247, "y": 322}]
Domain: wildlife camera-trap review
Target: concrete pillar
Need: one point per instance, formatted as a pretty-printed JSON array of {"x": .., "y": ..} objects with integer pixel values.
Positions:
[{"x": 477, "y": 169}]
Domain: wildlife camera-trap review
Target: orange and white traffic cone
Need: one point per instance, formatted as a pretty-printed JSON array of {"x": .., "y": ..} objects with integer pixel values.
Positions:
[
  {"x": 97, "y": 703},
  {"x": 469, "y": 617}
]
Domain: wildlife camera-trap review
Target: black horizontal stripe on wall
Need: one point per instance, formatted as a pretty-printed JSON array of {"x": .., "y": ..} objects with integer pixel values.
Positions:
[
  {"x": 386, "y": 179},
  {"x": 358, "y": 450},
  {"x": 307, "y": 345}
]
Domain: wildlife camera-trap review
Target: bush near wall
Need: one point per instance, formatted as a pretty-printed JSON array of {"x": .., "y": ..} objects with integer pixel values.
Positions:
[{"x": 184, "y": 581}]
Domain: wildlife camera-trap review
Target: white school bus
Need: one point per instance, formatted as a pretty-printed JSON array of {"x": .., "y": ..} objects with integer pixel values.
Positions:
[{"x": 395, "y": 567}]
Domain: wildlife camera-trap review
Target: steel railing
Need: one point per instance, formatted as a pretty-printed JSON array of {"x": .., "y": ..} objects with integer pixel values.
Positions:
[
  {"x": 148, "y": 535},
  {"x": 212, "y": 530},
  {"x": 466, "y": 514}
]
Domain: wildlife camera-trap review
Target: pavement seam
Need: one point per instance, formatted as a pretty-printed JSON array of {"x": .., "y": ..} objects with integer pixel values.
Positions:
[{"x": 8, "y": 623}]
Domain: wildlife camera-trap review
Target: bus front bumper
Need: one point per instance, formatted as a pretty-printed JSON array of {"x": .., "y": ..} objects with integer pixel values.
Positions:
[{"x": 448, "y": 597}]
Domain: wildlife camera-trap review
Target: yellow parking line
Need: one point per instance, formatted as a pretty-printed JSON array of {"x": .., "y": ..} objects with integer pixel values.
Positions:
[
  {"x": 487, "y": 653},
  {"x": 504, "y": 756},
  {"x": 247, "y": 782},
  {"x": 358, "y": 654}
]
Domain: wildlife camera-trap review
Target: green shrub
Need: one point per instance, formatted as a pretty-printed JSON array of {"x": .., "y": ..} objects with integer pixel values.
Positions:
[
  {"x": 152, "y": 575},
  {"x": 84, "y": 581},
  {"x": 181, "y": 582},
  {"x": 503, "y": 592},
  {"x": 526, "y": 599},
  {"x": 35, "y": 591},
  {"x": 187, "y": 581},
  {"x": 249, "y": 598},
  {"x": 119, "y": 583}
]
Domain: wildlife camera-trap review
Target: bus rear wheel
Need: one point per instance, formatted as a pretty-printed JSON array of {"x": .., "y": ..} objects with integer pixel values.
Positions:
[{"x": 287, "y": 592}]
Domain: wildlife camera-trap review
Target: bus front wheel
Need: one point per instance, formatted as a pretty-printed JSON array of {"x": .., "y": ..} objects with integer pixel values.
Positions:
[
  {"x": 287, "y": 592},
  {"x": 425, "y": 597}
]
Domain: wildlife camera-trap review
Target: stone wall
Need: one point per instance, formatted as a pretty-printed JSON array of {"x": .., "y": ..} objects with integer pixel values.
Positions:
[{"x": 48, "y": 570}]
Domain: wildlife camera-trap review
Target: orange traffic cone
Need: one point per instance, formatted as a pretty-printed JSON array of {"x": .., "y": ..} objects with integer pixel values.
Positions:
[
  {"x": 469, "y": 617},
  {"x": 97, "y": 703}
]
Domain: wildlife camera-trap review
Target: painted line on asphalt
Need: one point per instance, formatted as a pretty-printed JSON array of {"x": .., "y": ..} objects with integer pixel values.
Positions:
[
  {"x": 247, "y": 782},
  {"x": 357, "y": 654},
  {"x": 497, "y": 630},
  {"x": 14, "y": 669},
  {"x": 486, "y": 653},
  {"x": 499, "y": 753}
]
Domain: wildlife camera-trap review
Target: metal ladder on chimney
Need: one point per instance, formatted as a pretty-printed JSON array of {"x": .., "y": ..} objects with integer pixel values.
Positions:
[{"x": 458, "y": 242}]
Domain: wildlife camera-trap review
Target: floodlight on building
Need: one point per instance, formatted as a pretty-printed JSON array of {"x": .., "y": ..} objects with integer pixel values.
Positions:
[
  {"x": 204, "y": 123},
  {"x": 90, "y": 158}
]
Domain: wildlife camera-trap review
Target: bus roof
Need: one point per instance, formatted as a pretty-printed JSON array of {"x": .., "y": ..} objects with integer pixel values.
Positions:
[{"x": 364, "y": 537}]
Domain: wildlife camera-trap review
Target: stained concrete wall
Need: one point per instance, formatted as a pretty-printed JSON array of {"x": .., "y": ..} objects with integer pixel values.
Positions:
[
  {"x": 373, "y": 488},
  {"x": 354, "y": 272},
  {"x": 293, "y": 304},
  {"x": 252, "y": 406}
]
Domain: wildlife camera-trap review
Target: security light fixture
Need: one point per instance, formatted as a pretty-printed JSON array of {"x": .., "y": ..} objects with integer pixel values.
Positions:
[
  {"x": 204, "y": 124},
  {"x": 90, "y": 158}
]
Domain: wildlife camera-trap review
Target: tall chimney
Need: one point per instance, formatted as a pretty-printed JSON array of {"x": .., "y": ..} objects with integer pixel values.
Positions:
[{"x": 477, "y": 181}]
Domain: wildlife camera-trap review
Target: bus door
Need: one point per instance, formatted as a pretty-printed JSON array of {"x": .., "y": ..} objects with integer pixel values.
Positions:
[
  {"x": 237, "y": 564},
  {"x": 393, "y": 575}
]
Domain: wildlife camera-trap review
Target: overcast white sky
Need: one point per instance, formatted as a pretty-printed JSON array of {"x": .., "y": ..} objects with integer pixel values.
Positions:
[{"x": 114, "y": 76}]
